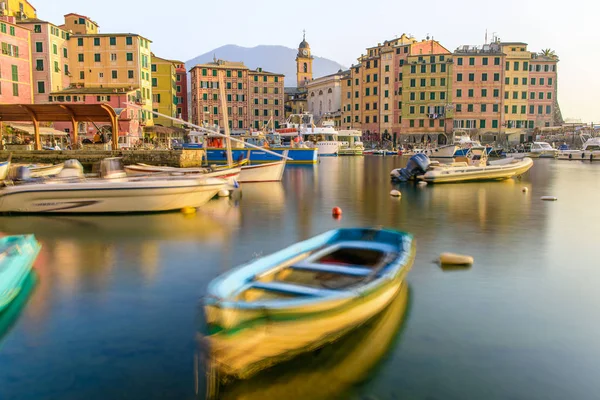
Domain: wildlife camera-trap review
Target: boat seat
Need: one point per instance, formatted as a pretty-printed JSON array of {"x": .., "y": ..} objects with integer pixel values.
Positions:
[
  {"x": 334, "y": 269},
  {"x": 290, "y": 288}
]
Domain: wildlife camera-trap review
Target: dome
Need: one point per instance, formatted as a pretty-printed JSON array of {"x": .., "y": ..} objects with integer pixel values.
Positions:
[{"x": 304, "y": 45}]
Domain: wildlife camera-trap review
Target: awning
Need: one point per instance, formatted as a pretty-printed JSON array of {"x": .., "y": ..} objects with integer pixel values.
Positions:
[{"x": 44, "y": 131}]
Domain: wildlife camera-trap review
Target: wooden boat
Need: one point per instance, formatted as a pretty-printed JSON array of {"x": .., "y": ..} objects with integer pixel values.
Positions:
[
  {"x": 326, "y": 374},
  {"x": 4, "y": 168},
  {"x": 302, "y": 297},
  {"x": 231, "y": 175},
  {"x": 270, "y": 172},
  {"x": 71, "y": 192},
  {"x": 17, "y": 254}
]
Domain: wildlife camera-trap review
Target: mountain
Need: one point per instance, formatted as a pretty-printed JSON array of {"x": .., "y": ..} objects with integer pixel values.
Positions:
[{"x": 278, "y": 59}]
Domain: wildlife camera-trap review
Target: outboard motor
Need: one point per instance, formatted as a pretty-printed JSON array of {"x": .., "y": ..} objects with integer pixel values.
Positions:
[
  {"x": 71, "y": 169},
  {"x": 417, "y": 165},
  {"x": 22, "y": 174}
]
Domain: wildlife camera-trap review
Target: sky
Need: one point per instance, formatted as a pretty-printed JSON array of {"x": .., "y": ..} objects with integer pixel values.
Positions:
[{"x": 341, "y": 31}]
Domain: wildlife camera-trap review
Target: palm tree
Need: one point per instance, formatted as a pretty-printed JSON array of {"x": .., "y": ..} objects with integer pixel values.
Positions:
[{"x": 548, "y": 53}]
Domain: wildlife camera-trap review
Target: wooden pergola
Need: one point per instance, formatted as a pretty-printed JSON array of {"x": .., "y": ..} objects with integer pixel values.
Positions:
[{"x": 73, "y": 113}]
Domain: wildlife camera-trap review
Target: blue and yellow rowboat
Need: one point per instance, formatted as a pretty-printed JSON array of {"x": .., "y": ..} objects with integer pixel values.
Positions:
[
  {"x": 17, "y": 254},
  {"x": 302, "y": 297},
  {"x": 298, "y": 155}
]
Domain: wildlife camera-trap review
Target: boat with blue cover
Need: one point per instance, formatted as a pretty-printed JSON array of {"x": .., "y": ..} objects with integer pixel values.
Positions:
[
  {"x": 302, "y": 297},
  {"x": 17, "y": 254}
]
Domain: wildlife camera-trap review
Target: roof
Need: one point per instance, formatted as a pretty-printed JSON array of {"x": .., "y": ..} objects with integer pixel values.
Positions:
[
  {"x": 56, "y": 112},
  {"x": 94, "y": 90},
  {"x": 28, "y": 128},
  {"x": 221, "y": 64},
  {"x": 74, "y": 35},
  {"x": 81, "y": 16},
  {"x": 291, "y": 90},
  {"x": 512, "y": 43},
  {"x": 262, "y": 72},
  {"x": 303, "y": 44},
  {"x": 33, "y": 21}
]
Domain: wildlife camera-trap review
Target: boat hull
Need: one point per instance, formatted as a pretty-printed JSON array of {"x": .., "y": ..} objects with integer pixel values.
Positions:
[
  {"x": 4, "y": 167},
  {"x": 16, "y": 265},
  {"x": 270, "y": 172},
  {"x": 579, "y": 155},
  {"x": 99, "y": 196},
  {"x": 231, "y": 175},
  {"x": 297, "y": 155},
  {"x": 500, "y": 171}
]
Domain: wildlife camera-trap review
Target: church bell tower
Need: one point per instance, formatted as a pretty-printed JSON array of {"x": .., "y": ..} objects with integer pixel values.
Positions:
[{"x": 304, "y": 62}]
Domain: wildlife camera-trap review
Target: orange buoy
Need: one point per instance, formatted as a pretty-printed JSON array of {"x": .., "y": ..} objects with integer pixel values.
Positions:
[{"x": 336, "y": 211}]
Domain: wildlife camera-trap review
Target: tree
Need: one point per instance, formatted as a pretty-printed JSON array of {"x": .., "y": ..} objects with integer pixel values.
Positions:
[{"x": 549, "y": 53}]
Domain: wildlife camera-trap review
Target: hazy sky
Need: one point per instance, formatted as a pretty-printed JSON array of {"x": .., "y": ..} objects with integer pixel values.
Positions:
[{"x": 341, "y": 30}]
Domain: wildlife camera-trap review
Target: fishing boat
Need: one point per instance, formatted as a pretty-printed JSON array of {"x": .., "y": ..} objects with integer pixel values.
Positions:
[
  {"x": 270, "y": 172},
  {"x": 321, "y": 375},
  {"x": 17, "y": 254},
  {"x": 350, "y": 143},
  {"x": 302, "y": 297},
  {"x": 465, "y": 169},
  {"x": 590, "y": 151},
  {"x": 231, "y": 175},
  {"x": 4, "y": 168},
  {"x": 542, "y": 150},
  {"x": 112, "y": 192}
]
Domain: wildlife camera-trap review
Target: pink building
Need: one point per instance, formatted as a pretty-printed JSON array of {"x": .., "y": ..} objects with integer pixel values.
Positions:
[
  {"x": 542, "y": 91},
  {"x": 15, "y": 63},
  {"x": 181, "y": 91},
  {"x": 50, "y": 58},
  {"x": 129, "y": 118}
]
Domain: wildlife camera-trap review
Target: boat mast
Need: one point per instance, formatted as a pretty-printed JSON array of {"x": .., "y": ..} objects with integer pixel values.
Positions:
[{"x": 225, "y": 117}]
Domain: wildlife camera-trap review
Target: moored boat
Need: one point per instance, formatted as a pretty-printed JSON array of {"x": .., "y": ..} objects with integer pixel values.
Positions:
[
  {"x": 231, "y": 175},
  {"x": 590, "y": 151},
  {"x": 270, "y": 172},
  {"x": 302, "y": 297},
  {"x": 36, "y": 171},
  {"x": 17, "y": 254},
  {"x": 113, "y": 192},
  {"x": 4, "y": 168},
  {"x": 542, "y": 150}
]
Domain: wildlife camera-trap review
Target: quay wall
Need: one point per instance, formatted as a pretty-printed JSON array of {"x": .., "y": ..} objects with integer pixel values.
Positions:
[{"x": 171, "y": 158}]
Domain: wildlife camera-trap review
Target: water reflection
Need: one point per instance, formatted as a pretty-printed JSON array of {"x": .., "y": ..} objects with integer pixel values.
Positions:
[
  {"x": 11, "y": 314},
  {"x": 324, "y": 374}
]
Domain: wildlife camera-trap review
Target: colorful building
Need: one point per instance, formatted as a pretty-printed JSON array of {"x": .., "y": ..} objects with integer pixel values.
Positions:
[
  {"x": 304, "y": 64},
  {"x": 253, "y": 97},
  {"x": 80, "y": 25},
  {"x": 164, "y": 91},
  {"x": 325, "y": 97},
  {"x": 20, "y": 9},
  {"x": 542, "y": 108},
  {"x": 50, "y": 58},
  {"x": 181, "y": 91},
  {"x": 516, "y": 84},
  {"x": 15, "y": 63},
  {"x": 114, "y": 60},
  {"x": 478, "y": 76}
]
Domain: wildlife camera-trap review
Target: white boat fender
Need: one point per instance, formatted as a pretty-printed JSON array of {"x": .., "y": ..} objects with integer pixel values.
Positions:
[
  {"x": 223, "y": 193},
  {"x": 455, "y": 259},
  {"x": 549, "y": 198},
  {"x": 422, "y": 183},
  {"x": 524, "y": 190},
  {"x": 395, "y": 193}
]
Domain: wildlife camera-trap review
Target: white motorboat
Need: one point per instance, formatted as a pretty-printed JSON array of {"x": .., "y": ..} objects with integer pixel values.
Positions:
[
  {"x": 542, "y": 150},
  {"x": 590, "y": 151},
  {"x": 231, "y": 175},
  {"x": 464, "y": 169},
  {"x": 324, "y": 138},
  {"x": 270, "y": 172},
  {"x": 4, "y": 167},
  {"x": 36, "y": 171},
  {"x": 350, "y": 143},
  {"x": 112, "y": 192}
]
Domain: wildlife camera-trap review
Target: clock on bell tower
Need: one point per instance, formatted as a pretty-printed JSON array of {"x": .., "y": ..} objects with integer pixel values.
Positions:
[{"x": 304, "y": 63}]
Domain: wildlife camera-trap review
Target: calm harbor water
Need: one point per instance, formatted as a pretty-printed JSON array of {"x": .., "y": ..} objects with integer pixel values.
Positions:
[{"x": 112, "y": 309}]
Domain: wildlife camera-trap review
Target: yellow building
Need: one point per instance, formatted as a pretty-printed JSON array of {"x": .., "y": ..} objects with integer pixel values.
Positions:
[
  {"x": 80, "y": 25},
  {"x": 164, "y": 89},
  {"x": 516, "y": 84},
  {"x": 304, "y": 62},
  {"x": 114, "y": 60},
  {"x": 20, "y": 9}
]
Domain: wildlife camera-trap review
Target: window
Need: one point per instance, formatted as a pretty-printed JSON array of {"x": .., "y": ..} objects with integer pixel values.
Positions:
[
  {"x": 443, "y": 81},
  {"x": 130, "y": 74},
  {"x": 548, "y": 109},
  {"x": 56, "y": 67},
  {"x": 471, "y": 60},
  {"x": 432, "y": 82},
  {"x": 459, "y": 61},
  {"x": 411, "y": 109},
  {"x": 422, "y": 110},
  {"x": 412, "y": 96},
  {"x": 496, "y": 92},
  {"x": 386, "y": 93},
  {"x": 531, "y": 109},
  {"x": 431, "y": 95},
  {"x": 459, "y": 108},
  {"x": 549, "y": 81},
  {"x": 541, "y": 81},
  {"x": 413, "y": 82},
  {"x": 484, "y": 61},
  {"x": 423, "y": 82},
  {"x": 80, "y": 42},
  {"x": 469, "y": 107},
  {"x": 128, "y": 40},
  {"x": 39, "y": 65},
  {"x": 540, "y": 109},
  {"x": 514, "y": 109},
  {"x": 459, "y": 77},
  {"x": 494, "y": 123},
  {"x": 113, "y": 57},
  {"x": 411, "y": 123},
  {"x": 367, "y": 92},
  {"x": 496, "y": 77},
  {"x": 482, "y": 123},
  {"x": 421, "y": 123},
  {"x": 523, "y": 109},
  {"x": 541, "y": 95},
  {"x": 96, "y": 41},
  {"x": 422, "y": 96},
  {"x": 515, "y": 95},
  {"x": 507, "y": 81},
  {"x": 506, "y": 95},
  {"x": 516, "y": 65},
  {"x": 431, "y": 123},
  {"x": 483, "y": 107},
  {"x": 483, "y": 92},
  {"x": 484, "y": 77},
  {"x": 97, "y": 57},
  {"x": 386, "y": 80},
  {"x": 12, "y": 33},
  {"x": 81, "y": 75},
  {"x": 515, "y": 81},
  {"x": 413, "y": 69},
  {"x": 525, "y": 65},
  {"x": 423, "y": 69},
  {"x": 214, "y": 72},
  {"x": 433, "y": 68},
  {"x": 549, "y": 95},
  {"x": 495, "y": 108},
  {"x": 442, "y": 95},
  {"x": 507, "y": 66},
  {"x": 443, "y": 68},
  {"x": 470, "y": 93},
  {"x": 41, "y": 87},
  {"x": 39, "y": 47},
  {"x": 15, "y": 85},
  {"x": 54, "y": 48}
]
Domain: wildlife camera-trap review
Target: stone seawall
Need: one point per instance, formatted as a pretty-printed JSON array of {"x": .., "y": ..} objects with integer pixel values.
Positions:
[{"x": 171, "y": 158}]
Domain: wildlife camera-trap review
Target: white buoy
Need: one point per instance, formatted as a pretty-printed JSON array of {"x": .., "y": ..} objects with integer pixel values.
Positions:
[
  {"x": 223, "y": 193},
  {"x": 455, "y": 259},
  {"x": 549, "y": 198},
  {"x": 395, "y": 193},
  {"x": 524, "y": 190},
  {"x": 422, "y": 183}
]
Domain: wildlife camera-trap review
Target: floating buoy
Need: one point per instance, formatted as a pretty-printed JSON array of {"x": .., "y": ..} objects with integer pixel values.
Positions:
[
  {"x": 524, "y": 190},
  {"x": 549, "y": 198},
  {"x": 188, "y": 210},
  {"x": 422, "y": 183},
  {"x": 455, "y": 259},
  {"x": 395, "y": 193},
  {"x": 223, "y": 193},
  {"x": 336, "y": 212}
]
